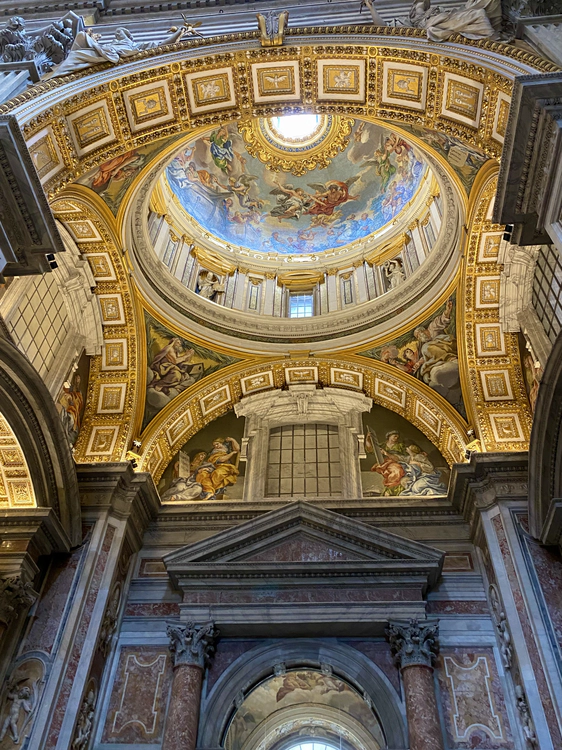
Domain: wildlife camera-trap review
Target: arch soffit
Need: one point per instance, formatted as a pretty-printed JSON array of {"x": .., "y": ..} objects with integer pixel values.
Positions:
[
  {"x": 386, "y": 385},
  {"x": 489, "y": 361},
  {"x": 114, "y": 98},
  {"x": 32, "y": 418},
  {"x": 112, "y": 391},
  {"x": 257, "y": 664}
]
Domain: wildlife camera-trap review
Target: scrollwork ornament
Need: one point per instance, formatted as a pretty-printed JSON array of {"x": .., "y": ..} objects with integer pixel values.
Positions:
[
  {"x": 413, "y": 643},
  {"x": 297, "y": 161},
  {"x": 192, "y": 644}
]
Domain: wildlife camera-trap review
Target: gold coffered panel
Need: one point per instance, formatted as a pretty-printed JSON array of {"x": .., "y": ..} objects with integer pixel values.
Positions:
[
  {"x": 16, "y": 487},
  {"x": 216, "y": 395},
  {"x": 425, "y": 85},
  {"x": 493, "y": 384}
]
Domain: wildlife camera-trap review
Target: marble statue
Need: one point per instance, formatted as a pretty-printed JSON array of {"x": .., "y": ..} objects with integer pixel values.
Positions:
[
  {"x": 209, "y": 285},
  {"x": 479, "y": 19},
  {"x": 46, "y": 47},
  {"x": 85, "y": 722},
  {"x": 21, "y": 697},
  {"x": 87, "y": 50},
  {"x": 394, "y": 273}
]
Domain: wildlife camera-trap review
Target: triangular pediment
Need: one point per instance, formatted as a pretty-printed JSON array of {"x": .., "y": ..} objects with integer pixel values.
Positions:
[
  {"x": 304, "y": 547},
  {"x": 303, "y": 534}
]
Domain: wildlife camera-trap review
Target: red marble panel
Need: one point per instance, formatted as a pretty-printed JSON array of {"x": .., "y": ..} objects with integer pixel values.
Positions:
[
  {"x": 226, "y": 653},
  {"x": 302, "y": 548},
  {"x": 379, "y": 653},
  {"x": 312, "y": 596},
  {"x": 532, "y": 648},
  {"x": 183, "y": 713},
  {"x": 424, "y": 730},
  {"x": 54, "y": 597},
  {"x": 472, "y": 700},
  {"x": 140, "y": 689},
  {"x": 79, "y": 641},
  {"x": 460, "y": 607},
  {"x": 548, "y": 566},
  {"x": 160, "y": 609}
]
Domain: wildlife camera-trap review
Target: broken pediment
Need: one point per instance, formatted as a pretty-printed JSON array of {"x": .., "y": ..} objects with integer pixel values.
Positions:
[{"x": 303, "y": 565}]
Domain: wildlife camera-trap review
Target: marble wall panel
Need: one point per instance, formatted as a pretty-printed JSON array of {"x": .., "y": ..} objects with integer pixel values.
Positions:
[
  {"x": 545, "y": 568},
  {"x": 528, "y": 632},
  {"x": 227, "y": 652},
  {"x": 472, "y": 700},
  {"x": 56, "y": 595},
  {"x": 139, "y": 695},
  {"x": 79, "y": 641},
  {"x": 379, "y": 653}
]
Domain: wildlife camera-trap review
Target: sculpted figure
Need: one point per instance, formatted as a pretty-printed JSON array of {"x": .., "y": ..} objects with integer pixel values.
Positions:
[
  {"x": 394, "y": 273},
  {"x": 87, "y": 49},
  {"x": 21, "y": 698},
  {"x": 85, "y": 722},
  {"x": 47, "y": 47},
  {"x": 479, "y": 19}
]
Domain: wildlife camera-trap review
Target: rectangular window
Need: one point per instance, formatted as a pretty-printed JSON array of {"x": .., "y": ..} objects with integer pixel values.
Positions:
[
  {"x": 301, "y": 305},
  {"x": 347, "y": 292},
  {"x": 170, "y": 252},
  {"x": 546, "y": 291},
  {"x": 253, "y": 298},
  {"x": 304, "y": 461}
]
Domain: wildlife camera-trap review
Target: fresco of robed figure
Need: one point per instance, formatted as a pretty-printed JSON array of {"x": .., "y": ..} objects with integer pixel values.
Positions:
[
  {"x": 400, "y": 459},
  {"x": 208, "y": 466},
  {"x": 174, "y": 364},
  {"x": 234, "y": 196}
]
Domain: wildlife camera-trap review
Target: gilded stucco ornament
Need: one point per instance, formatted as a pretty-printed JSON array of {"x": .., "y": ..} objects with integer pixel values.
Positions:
[{"x": 297, "y": 156}]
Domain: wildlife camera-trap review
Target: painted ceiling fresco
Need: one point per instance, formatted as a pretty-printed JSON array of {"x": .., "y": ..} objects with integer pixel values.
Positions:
[
  {"x": 235, "y": 197},
  {"x": 174, "y": 363},
  {"x": 429, "y": 353}
]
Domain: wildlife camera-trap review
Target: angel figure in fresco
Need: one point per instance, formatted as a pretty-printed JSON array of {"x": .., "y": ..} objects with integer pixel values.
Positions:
[
  {"x": 330, "y": 195},
  {"x": 220, "y": 147},
  {"x": 292, "y": 202},
  {"x": 308, "y": 681},
  {"x": 241, "y": 186}
]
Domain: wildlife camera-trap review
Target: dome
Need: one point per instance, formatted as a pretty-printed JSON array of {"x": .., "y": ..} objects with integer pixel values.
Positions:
[{"x": 295, "y": 185}]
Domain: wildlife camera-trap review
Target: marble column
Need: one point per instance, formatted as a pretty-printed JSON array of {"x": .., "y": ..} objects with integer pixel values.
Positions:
[
  {"x": 415, "y": 646},
  {"x": 192, "y": 647}
]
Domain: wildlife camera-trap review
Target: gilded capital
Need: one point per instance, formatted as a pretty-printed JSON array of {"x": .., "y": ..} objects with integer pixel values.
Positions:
[
  {"x": 192, "y": 644},
  {"x": 413, "y": 643}
]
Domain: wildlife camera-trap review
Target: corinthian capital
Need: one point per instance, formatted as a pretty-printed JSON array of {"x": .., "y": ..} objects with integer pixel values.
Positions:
[
  {"x": 192, "y": 644},
  {"x": 413, "y": 643},
  {"x": 15, "y": 596}
]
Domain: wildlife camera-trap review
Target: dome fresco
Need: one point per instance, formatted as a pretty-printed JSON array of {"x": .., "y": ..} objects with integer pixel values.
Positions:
[{"x": 235, "y": 197}]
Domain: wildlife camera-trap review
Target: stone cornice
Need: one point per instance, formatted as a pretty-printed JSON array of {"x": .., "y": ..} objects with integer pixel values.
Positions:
[{"x": 127, "y": 495}]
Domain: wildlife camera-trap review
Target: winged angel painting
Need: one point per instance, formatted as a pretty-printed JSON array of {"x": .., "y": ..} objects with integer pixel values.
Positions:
[{"x": 233, "y": 195}]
